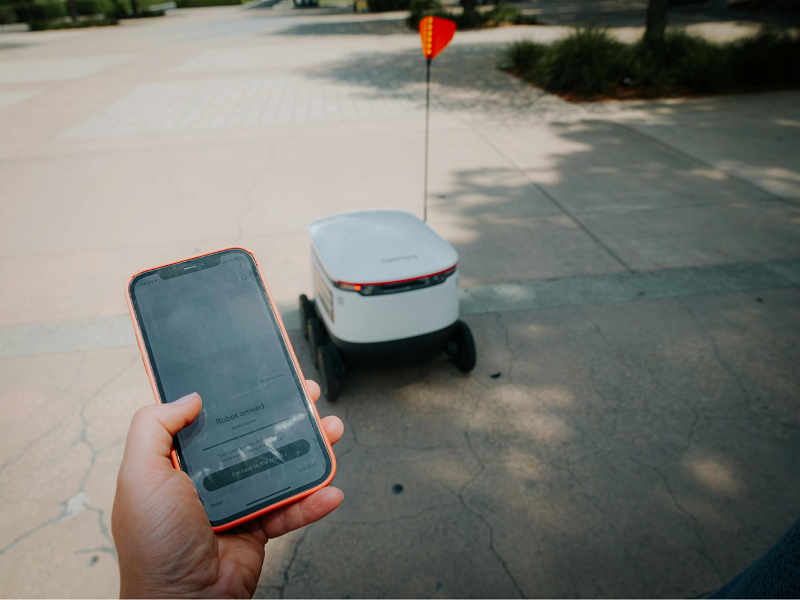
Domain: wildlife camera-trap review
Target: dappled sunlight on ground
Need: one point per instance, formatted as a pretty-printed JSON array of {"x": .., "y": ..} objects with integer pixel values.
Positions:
[
  {"x": 606, "y": 444},
  {"x": 714, "y": 474}
]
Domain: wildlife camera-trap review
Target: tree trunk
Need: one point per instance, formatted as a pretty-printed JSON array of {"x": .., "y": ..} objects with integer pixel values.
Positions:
[
  {"x": 656, "y": 21},
  {"x": 72, "y": 12},
  {"x": 135, "y": 8}
]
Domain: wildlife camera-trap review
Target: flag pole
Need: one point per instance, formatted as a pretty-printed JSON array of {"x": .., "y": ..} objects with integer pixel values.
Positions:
[{"x": 427, "y": 114}]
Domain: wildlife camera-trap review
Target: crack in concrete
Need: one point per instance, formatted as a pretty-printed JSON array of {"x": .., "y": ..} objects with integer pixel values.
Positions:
[
  {"x": 629, "y": 557},
  {"x": 508, "y": 346},
  {"x": 666, "y": 389},
  {"x": 715, "y": 349},
  {"x": 67, "y": 510},
  {"x": 349, "y": 425},
  {"x": 695, "y": 523},
  {"x": 104, "y": 530},
  {"x": 483, "y": 519},
  {"x": 34, "y": 530},
  {"x": 737, "y": 380},
  {"x": 282, "y": 588},
  {"x": 12, "y": 461},
  {"x": 658, "y": 468},
  {"x": 618, "y": 400},
  {"x": 411, "y": 517}
]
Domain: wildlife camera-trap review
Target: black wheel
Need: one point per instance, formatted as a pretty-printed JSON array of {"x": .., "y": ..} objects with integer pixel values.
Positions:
[
  {"x": 327, "y": 372},
  {"x": 307, "y": 311},
  {"x": 315, "y": 333},
  {"x": 461, "y": 348}
]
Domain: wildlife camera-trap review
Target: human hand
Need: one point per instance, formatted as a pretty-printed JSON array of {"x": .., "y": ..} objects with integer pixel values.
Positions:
[{"x": 165, "y": 544}]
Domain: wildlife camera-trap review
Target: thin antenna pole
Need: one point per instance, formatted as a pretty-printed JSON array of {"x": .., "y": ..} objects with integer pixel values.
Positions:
[{"x": 427, "y": 114}]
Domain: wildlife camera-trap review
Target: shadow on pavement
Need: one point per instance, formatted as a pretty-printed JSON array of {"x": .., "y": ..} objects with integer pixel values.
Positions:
[
  {"x": 466, "y": 74},
  {"x": 636, "y": 449},
  {"x": 359, "y": 27}
]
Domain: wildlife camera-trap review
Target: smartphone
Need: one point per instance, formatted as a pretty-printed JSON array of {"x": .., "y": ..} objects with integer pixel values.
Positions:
[{"x": 208, "y": 324}]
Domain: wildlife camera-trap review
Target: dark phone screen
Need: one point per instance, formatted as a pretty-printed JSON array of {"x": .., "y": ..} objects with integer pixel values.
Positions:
[{"x": 209, "y": 328}]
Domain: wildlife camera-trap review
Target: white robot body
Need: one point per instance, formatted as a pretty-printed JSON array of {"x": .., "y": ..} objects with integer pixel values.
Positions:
[{"x": 385, "y": 288}]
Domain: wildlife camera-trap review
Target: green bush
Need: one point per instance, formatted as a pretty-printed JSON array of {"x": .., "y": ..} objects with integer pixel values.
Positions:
[
  {"x": 584, "y": 63},
  {"x": 770, "y": 58},
  {"x": 46, "y": 11},
  {"x": 682, "y": 62},
  {"x": 202, "y": 3},
  {"x": 43, "y": 25},
  {"x": 95, "y": 7},
  {"x": 589, "y": 63},
  {"x": 507, "y": 14},
  {"x": 524, "y": 55},
  {"x": 8, "y": 15},
  {"x": 467, "y": 20},
  {"x": 421, "y": 6},
  {"x": 388, "y": 5}
]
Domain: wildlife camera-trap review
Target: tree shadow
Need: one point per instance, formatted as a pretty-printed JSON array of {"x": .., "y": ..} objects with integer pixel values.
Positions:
[
  {"x": 381, "y": 27},
  {"x": 465, "y": 78},
  {"x": 631, "y": 13},
  {"x": 600, "y": 461}
]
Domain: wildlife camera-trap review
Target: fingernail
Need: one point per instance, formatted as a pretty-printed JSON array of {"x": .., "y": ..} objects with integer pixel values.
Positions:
[{"x": 187, "y": 398}]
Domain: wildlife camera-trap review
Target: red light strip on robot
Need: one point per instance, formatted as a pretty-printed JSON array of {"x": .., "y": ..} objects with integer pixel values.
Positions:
[{"x": 400, "y": 280}]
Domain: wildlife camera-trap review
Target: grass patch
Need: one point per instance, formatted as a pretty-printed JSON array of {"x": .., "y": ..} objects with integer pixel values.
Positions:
[
  {"x": 591, "y": 65},
  {"x": 499, "y": 15}
]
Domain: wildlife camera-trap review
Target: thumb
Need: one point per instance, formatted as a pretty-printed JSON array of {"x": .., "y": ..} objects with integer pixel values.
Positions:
[{"x": 153, "y": 427}]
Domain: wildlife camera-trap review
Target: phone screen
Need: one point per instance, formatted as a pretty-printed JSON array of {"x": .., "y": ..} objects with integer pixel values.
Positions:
[{"x": 209, "y": 328}]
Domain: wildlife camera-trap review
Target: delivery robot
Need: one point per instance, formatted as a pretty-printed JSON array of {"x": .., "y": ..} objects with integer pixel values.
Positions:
[{"x": 385, "y": 290}]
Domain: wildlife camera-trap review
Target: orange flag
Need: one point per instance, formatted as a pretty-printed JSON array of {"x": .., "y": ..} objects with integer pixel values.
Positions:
[{"x": 436, "y": 33}]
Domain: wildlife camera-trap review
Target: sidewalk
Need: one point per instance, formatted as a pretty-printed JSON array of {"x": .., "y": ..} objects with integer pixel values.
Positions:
[{"x": 630, "y": 271}]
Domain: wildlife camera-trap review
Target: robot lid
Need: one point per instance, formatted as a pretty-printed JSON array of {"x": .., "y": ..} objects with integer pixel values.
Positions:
[{"x": 379, "y": 246}]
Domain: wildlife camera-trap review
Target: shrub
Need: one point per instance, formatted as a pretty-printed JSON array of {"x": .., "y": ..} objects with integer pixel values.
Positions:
[
  {"x": 8, "y": 15},
  {"x": 202, "y": 3},
  {"x": 589, "y": 62},
  {"x": 524, "y": 55},
  {"x": 388, "y": 5},
  {"x": 95, "y": 7},
  {"x": 771, "y": 58},
  {"x": 507, "y": 14},
  {"x": 682, "y": 61},
  {"x": 47, "y": 11},
  {"x": 42, "y": 25},
  {"x": 421, "y": 6},
  {"x": 584, "y": 63}
]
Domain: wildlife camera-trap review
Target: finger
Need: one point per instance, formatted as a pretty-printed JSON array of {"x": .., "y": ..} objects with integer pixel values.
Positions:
[
  {"x": 334, "y": 428},
  {"x": 313, "y": 389},
  {"x": 308, "y": 510},
  {"x": 153, "y": 427}
]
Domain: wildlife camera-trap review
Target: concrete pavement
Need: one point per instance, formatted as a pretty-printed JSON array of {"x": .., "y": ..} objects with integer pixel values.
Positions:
[{"x": 630, "y": 271}]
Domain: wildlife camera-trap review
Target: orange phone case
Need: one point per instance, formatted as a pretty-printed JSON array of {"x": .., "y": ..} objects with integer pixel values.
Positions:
[{"x": 148, "y": 368}]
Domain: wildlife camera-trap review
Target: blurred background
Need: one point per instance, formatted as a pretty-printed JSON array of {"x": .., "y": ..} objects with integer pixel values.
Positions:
[{"x": 621, "y": 179}]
